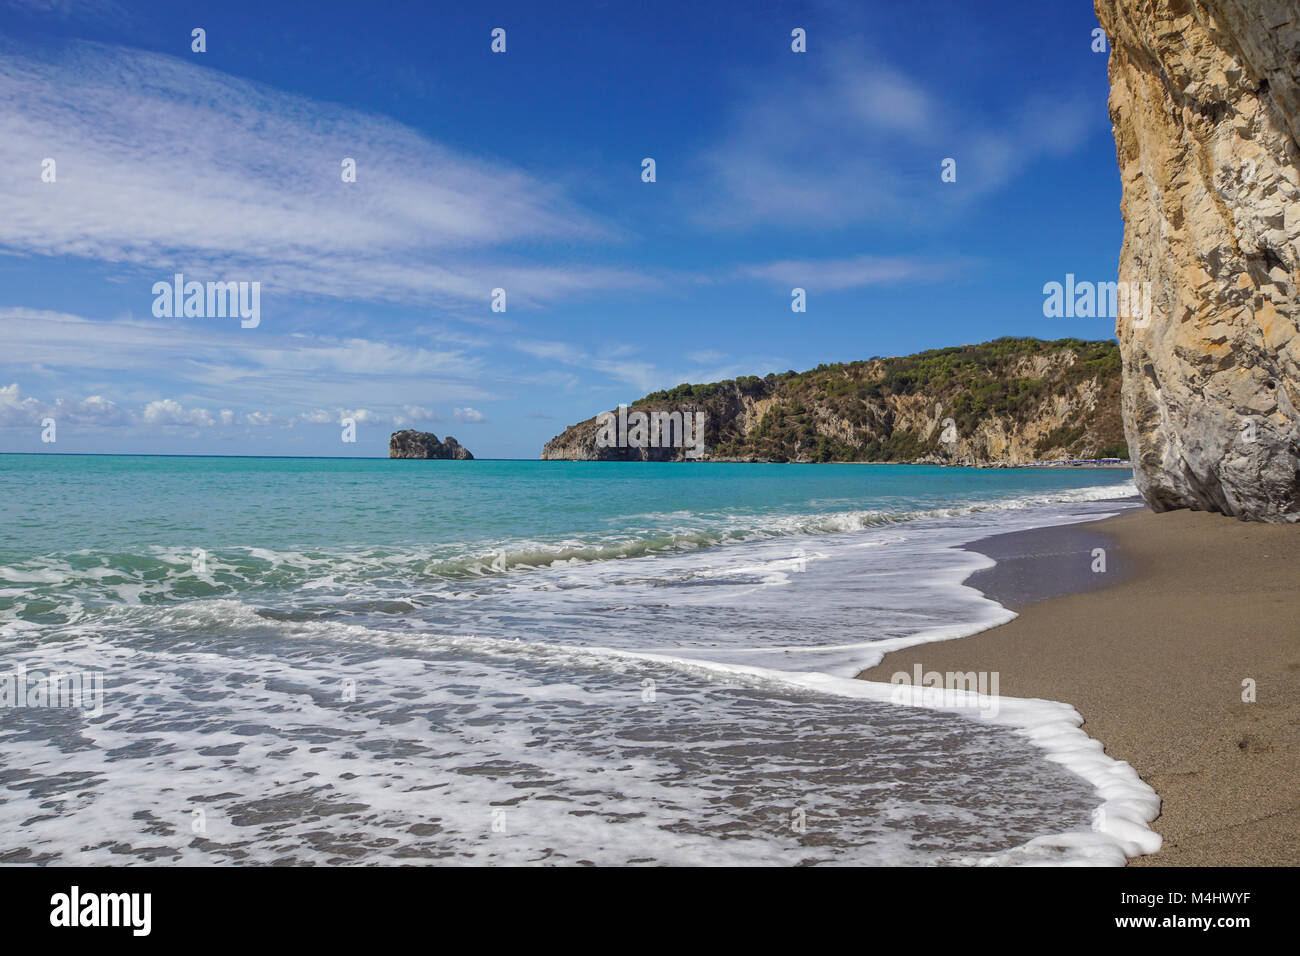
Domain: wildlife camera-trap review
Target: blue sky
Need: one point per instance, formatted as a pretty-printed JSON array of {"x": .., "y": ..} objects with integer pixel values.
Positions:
[{"x": 522, "y": 171}]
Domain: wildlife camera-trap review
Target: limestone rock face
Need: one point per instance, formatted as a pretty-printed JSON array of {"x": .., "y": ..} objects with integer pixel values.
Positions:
[
  {"x": 412, "y": 444},
  {"x": 579, "y": 443},
  {"x": 1007, "y": 402},
  {"x": 1205, "y": 103}
]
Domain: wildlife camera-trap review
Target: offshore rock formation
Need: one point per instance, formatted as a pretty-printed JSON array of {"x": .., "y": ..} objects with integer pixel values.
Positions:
[
  {"x": 1205, "y": 103},
  {"x": 412, "y": 444},
  {"x": 1012, "y": 401}
]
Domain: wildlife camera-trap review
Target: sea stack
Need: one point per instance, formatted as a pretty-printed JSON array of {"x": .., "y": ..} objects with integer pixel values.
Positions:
[
  {"x": 1205, "y": 103},
  {"x": 412, "y": 444}
]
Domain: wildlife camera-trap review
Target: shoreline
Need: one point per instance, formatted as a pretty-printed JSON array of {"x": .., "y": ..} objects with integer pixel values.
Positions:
[{"x": 1153, "y": 653}]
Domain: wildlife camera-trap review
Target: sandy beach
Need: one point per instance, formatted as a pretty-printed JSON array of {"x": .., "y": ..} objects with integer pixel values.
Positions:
[{"x": 1153, "y": 653}]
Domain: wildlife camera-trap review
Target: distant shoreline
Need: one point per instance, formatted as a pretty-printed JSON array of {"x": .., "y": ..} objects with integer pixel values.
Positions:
[
  {"x": 990, "y": 466},
  {"x": 1041, "y": 466}
]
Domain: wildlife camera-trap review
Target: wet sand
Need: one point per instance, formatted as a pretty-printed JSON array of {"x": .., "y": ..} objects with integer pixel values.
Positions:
[{"x": 1153, "y": 653}]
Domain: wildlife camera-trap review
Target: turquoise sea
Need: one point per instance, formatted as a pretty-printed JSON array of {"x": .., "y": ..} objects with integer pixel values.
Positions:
[{"x": 372, "y": 661}]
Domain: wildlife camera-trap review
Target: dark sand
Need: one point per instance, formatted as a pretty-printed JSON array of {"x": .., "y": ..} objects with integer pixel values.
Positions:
[{"x": 1153, "y": 653}]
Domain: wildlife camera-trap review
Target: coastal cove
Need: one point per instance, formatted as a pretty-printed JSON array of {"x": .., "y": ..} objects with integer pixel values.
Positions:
[{"x": 415, "y": 423}]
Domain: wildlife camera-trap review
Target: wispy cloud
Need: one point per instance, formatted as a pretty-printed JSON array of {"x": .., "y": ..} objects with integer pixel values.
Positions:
[
  {"x": 854, "y": 141},
  {"x": 166, "y": 165},
  {"x": 18, "y": 410},
  {"x": 415, "y": 414},
  {"x": 94, "y": 10},
  {"x": 620, "y": 364},
  {"x": 834, "y": 275},
  {"x": 289, "y": 373}
]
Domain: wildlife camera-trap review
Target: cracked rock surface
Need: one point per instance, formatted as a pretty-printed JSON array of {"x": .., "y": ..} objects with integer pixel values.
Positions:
[{"x": 1205, "y": 103}]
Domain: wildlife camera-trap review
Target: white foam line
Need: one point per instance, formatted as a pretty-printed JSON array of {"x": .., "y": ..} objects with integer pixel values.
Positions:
[
  {"x": 944, "y": 632},
  {"x": 997, "y": 613},
  {"x": 1120, "y": 825}
]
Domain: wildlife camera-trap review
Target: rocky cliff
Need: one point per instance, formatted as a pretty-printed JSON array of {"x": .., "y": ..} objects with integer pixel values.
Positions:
[
  {"x": 1205, "y": 103},
  {"x": 1011, "y": 401},
  {"x": 412, "y": 444}
]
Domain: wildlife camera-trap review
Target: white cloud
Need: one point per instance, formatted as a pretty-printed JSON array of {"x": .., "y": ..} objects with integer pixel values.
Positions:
[
  {"x": 616, "y": 362},
  {"x": 17, "y": 410},
  {"x": 96, "y": 410},
  {"x": 171, "y": 166},
  {"x": 705, "y": 357},
  {"x": 318, "y": 416},
  {"x": 471, "y": 415},
  {"x": 253, "y": 366},
  {"x": 852, "y": 141},
  {"x": 414, "y": 415},
  {"x": 556, "y": 351},
  {"x": 168, "y": 411},
  {"x": 835, "y": 275},
  {"x": 69, "y": 9}
]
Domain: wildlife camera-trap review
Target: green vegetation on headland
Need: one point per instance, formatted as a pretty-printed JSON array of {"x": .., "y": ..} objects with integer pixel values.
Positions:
[{"x": 1009, "y": 401}]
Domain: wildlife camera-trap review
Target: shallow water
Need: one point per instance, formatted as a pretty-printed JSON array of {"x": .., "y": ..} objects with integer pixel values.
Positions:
[{"x": 373, "y": 661}]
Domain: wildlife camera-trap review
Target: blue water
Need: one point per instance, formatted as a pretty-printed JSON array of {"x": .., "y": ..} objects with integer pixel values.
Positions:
[
  {"x": 310, "y": 660},
  {"x": 72, "y": 502}
]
